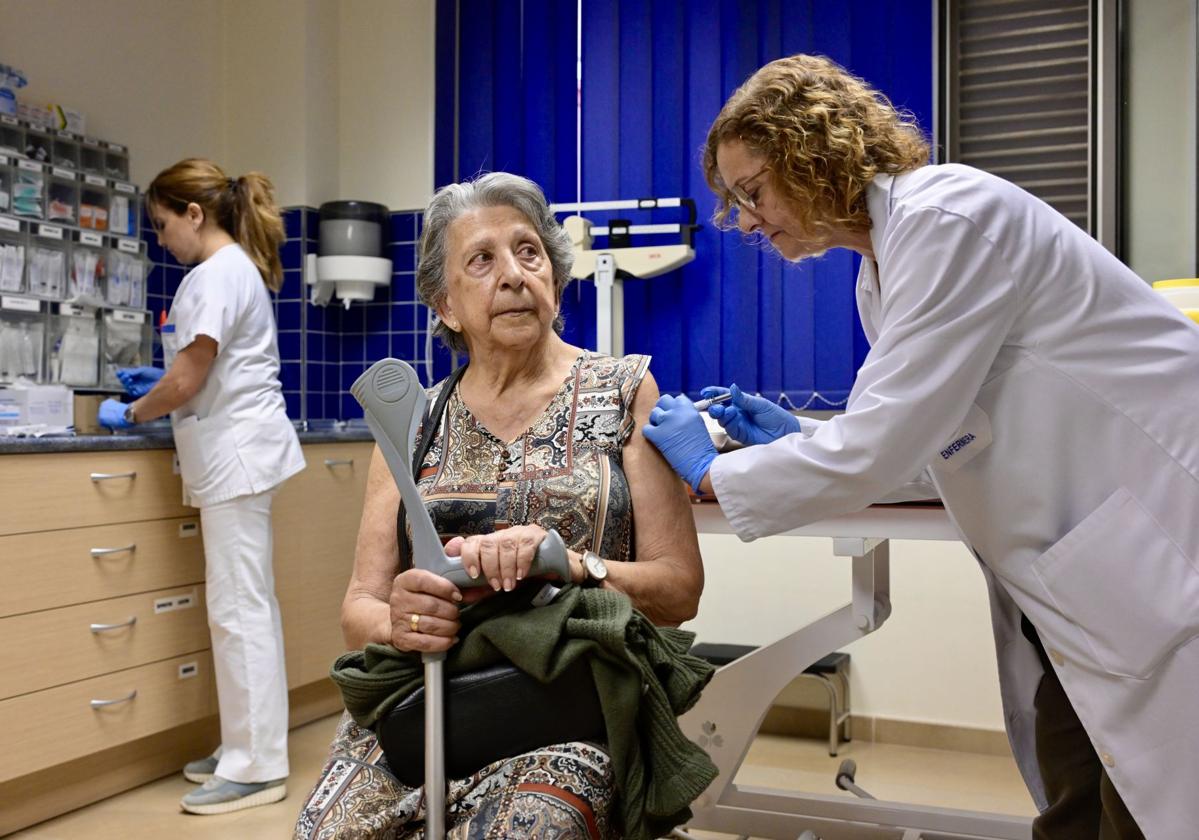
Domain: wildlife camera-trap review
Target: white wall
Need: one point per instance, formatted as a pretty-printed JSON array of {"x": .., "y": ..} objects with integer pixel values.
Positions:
[
  {"x": 386, "y": 97},
  {"x": 146, "y": 73},
  {"x": 1160, "y": 159},
  {"x": 263, "y": 67},
  {"x": 932, "y": 661},
  {"x": 331, "y": 99}
]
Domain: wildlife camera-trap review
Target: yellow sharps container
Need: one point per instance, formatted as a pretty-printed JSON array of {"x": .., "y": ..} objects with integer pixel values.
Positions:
[{"x": 1182, "y": 293}]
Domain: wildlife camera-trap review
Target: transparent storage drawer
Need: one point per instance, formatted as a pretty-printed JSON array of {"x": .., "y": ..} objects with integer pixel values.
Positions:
[
  {"x": 12, "y": 136},
  {"x": 89, "y": 269},
  {"x": 39, "y": 145},
  {"x": 14, "y": 248},
  {"x": 62, "y": 197},
  {"x": 22, "y": 339},
  {"x": 127, "y": 340},
  {"x": 5, "y": 184},
  {"x": 29, "y": 189},
  {"x": 91, "y": 157},
  {"x": 116, "y": 161},
  {"x": 64, "y": 150},
  {"x": 124, "y": 207},
  {"x": 46, "y": 262},
  {"x": 73, "y": 346},
  {"x": 93, "y": 203},
  {"x": 128, "y": 266}
]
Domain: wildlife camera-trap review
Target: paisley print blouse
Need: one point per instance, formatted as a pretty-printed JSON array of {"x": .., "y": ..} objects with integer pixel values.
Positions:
[{"x": 564, "y": 472}]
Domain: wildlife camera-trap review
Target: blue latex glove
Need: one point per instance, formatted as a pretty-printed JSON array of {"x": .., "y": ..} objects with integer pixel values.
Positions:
[
  {"x": 678, "y": 431},
  {"x": 749, "y": 419},
  {"x": 112, "y": 414},
  {"x": 139, "y": 380}
]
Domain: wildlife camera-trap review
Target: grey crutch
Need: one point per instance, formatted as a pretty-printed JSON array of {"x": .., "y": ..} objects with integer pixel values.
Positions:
[{"x": 393, "y": 403}]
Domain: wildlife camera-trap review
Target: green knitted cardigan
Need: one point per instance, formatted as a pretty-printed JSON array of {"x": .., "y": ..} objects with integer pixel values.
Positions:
[{"x": 643, "y": 674}]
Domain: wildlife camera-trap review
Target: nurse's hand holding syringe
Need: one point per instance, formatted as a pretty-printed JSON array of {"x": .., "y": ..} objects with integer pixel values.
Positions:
[
  {"x": 747, "y": 419},
  {"x": 678, "y": 432}
]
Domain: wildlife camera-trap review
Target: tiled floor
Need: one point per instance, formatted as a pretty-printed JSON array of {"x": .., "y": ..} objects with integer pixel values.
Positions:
[{"x": 907, "y": 774}]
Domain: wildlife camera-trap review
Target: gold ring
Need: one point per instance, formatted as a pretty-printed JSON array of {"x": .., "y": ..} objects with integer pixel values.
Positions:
[{"x": 414, "y": 622}]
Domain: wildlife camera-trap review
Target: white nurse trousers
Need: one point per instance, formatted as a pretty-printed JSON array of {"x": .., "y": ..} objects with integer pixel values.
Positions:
[{"x": 247, "y": 638}]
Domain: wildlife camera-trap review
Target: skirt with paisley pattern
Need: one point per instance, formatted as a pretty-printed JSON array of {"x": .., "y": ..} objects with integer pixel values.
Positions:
[{"x": 563, "y": 791}]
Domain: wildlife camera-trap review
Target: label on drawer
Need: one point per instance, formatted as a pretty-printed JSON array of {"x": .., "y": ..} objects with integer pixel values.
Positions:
[
  {"x": 188, "y": 670},
  {"x": 175, "y": 602},
  {"x": 186, "y": 529}
]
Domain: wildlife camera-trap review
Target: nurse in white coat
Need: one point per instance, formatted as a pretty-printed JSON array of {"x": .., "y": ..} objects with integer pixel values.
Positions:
[
  {"x": 235, "y": 446},
  {"x": 1047, "y": 392}
]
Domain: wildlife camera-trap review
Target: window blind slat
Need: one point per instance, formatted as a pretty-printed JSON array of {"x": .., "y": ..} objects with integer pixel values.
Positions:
[{"x": 1021, "y": 104}]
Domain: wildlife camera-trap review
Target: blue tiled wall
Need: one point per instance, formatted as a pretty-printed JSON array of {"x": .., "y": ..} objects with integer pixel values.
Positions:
[{"x": 324, "y": 349}]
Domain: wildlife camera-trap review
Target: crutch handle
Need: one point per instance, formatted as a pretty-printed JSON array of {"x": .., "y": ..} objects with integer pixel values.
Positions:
[
  {"x": 551, "y": 558},
  {"x": 393, "y": 404}
]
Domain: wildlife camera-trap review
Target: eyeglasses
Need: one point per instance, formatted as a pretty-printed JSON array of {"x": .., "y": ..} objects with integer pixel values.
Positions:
[{"x": 742, "y": 200}]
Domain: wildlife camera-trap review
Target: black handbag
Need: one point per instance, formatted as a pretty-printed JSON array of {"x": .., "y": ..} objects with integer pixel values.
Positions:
[{"x": 492, "y": 713}]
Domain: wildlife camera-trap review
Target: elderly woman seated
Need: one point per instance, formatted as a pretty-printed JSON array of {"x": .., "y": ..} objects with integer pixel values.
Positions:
[{"x": 535, "y": 435}]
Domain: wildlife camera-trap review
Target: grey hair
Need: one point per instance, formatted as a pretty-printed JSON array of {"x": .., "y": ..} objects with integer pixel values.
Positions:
[{"x": 495, "y": 189}]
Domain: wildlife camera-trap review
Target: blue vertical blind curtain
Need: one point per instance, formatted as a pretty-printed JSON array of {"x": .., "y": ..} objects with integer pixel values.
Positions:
[{"x": 655, "y": 75}]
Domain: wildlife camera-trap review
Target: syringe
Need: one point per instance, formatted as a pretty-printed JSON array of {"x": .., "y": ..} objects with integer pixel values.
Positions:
[{"x": 703, "y": 405}]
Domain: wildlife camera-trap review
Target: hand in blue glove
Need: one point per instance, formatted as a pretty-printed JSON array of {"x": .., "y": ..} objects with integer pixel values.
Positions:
[
  {"x": 749, "y": 419},
  {"x": 678, "y": 431},
  {"x": 139, "y": 380},
  {"x": 112, "y": 414}
]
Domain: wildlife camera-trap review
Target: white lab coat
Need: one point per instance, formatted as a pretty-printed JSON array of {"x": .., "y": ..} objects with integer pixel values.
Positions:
[
  {"x": 235, "y": 445},
  {"x": 1055, "y": 397},
  {"x": 233, "y": 438}
]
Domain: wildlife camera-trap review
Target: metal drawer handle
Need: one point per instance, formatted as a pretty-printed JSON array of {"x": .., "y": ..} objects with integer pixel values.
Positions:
[
  {"x": 339, "y": 462},
  {"x": 101, "y": 552},
  {"x": 100, "y": 628},
  {"x": 100, "y": 704},
  {"x": 108, "y": 476}
]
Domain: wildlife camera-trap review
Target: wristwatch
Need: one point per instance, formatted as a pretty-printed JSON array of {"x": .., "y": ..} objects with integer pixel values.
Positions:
[
  {"x": 129, "y": 418},
  {"x": 595, "y": 570}
]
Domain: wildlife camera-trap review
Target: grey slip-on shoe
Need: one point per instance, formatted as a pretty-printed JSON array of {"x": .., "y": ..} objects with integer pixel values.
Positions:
[{"x": 222, "y": 796}]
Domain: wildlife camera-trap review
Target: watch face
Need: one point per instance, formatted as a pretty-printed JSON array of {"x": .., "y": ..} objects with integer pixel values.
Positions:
[{"x": 596, "y": 567}]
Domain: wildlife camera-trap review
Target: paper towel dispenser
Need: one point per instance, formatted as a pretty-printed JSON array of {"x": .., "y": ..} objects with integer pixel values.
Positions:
[{"x": 350, "y": 259}]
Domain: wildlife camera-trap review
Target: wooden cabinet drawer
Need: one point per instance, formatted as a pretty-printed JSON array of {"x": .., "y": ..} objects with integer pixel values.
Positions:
[
  {"x": 57, "y": 725},
  {"x": 316, "y": 517},
  {"x": 57, "y": 568},
  {"x": 55, "y": 647},
  {"x": 73, "y": 489}
]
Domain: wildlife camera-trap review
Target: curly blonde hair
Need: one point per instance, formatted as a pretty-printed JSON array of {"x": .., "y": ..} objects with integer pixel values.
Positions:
[{"x": 825, "y": 134}]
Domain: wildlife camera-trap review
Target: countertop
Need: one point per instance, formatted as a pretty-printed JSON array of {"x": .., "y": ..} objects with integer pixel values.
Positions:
[{"x": 156, "y": 439}]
